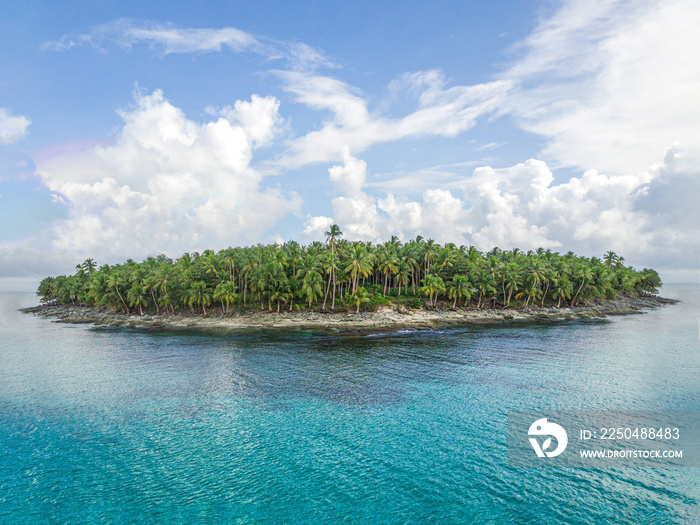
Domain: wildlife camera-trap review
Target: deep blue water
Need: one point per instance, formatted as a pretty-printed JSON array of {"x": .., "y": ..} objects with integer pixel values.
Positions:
[{"x": 119, "y": 426}]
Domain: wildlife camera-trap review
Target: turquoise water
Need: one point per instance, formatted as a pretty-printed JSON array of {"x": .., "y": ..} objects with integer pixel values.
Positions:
[{"x": 120, "y": 426}]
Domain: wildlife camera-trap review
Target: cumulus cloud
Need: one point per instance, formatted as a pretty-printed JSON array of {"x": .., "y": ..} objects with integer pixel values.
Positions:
[
  {"x": 169, "y": 184},
  {"x": 669, "y": 202},
  {"x": 441, "y": 110},
  {"x": 12, "y": 127},
  {"x": 651, "y": 217},
  {"x": 363, "y": 216},
  {"x": 610, "y": 84},
  {"x": 520, "y": 206}
]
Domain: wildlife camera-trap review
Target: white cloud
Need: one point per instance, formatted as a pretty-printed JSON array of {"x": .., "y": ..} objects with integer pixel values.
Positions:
[
  {"x": 610, "y": 83},
  {"x": 173, "y": 40},
  {"x": 169, "y": 184},
  {"x": 651, "y": 218},
  {"x": 164, "y": 37},
  {"x": 441, "y": 110},
  {"x": 303, "y": 57},
  {"x": 489, "y": 146},
  {"x": 362, "y": 216},
  {"x": 169, "y": 39},
  {"x": 669, "y": 201},
  {"x": 316, "y": 226},
  {"x": 519, "y": 206},
  {"x": 447, "y": 176},
  {"x": 12, "y": 127}
]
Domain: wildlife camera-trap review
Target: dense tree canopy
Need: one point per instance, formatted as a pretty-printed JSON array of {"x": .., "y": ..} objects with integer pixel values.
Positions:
[{"x": 355, "y": 274}]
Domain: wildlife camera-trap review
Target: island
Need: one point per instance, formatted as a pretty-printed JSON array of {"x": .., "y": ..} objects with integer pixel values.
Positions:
[{"x": 342, "y": 286}]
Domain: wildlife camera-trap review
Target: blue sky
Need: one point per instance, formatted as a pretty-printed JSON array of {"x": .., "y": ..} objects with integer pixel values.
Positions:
[{"x": 129, "y": 129}]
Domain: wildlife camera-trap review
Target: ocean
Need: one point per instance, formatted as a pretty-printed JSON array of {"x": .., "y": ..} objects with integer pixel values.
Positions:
[{"x": 125, "y": 426}]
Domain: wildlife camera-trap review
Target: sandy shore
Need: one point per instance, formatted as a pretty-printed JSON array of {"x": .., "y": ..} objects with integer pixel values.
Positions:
[{"x": 386, "y": 320}]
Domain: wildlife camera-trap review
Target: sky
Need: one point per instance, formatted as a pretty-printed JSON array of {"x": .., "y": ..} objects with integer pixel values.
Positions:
[{"x": 130, "y": 129}]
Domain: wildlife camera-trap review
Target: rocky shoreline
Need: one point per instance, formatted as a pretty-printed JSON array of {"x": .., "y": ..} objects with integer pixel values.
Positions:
[{"x": 385, "y": 320}]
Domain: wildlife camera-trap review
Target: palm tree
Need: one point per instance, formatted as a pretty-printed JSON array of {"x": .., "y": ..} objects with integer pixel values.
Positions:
[
  {"x": 562, "y": 289},
  {"x": 360, "y": 296},
  {"x": 402, "y": 276},
  {"x": 447, "y": 257},
  {"x": 47, "y": 289},
  {"x": 99, "y": 292},
  {"x": 138, "y": 296},
  {"x": 429, "y": 251},
  {"x": 611, "y": 259},
  {"x": 433, "y": 286},
  {"x": 360, "y": 263},
  {"x": 116, "y": 281},
  {"x": 312, "y": 286},
  {"x": 582, "y": 272},
  {"x": 294, "y": 255},
  {"x": 511, "y": 280},
  {"x": 388, "y": 263},
  {"x": 225, "y": 292},
  {"x": 649, "y": 281},
  {"x": 89, "y": 266},
  {"x": 200, "y": 295},
  {"x": 330, "y": 266},
  {"x": 280, "y": 297},
  {"x": 332, "y": 235},
  {"x": 459, "y": 288},
  {"x": 228, "y": 259}
]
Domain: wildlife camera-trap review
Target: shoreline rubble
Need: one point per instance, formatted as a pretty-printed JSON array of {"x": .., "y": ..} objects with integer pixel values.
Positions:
[{"x": 385, "y": 320}]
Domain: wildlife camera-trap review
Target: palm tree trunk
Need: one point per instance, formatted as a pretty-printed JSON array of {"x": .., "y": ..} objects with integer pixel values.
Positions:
[
  {"x": 333, "y": 301},
  {"x": 573, "y": 301},
  {"x": 122, "y": 299},
  {"x": 155, "y": 301},
  {"x": 325, "y": 297},
  {"x": 546, "y": 289}
]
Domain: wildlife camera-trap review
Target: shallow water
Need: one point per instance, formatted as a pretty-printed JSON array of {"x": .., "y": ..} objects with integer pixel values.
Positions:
[{"x": 125, "y": 426}]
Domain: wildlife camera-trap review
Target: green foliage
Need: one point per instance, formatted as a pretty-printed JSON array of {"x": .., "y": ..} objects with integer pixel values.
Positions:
[
  {"x": 373, "y": 288},
  {"x": 360, "y": 297},
  {"x": 358, "y": 274}
]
